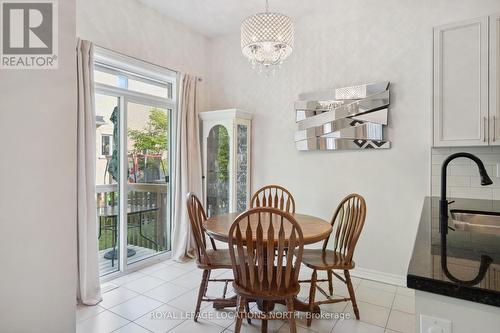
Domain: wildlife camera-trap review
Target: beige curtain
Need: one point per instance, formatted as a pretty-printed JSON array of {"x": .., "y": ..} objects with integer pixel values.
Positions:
[
  {"x": 88, "y": 288},
  {"x": 187, "y": 167}
]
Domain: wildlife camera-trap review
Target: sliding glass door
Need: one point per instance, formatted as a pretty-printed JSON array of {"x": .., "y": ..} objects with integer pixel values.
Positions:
[
  {"x": 133, "y": 162},
  {"x": 148, "y": 180},
  {"x": 107, "y": 181}
]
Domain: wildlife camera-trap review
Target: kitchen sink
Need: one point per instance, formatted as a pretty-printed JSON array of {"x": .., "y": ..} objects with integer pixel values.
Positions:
[{"x": 476, "y": 221}]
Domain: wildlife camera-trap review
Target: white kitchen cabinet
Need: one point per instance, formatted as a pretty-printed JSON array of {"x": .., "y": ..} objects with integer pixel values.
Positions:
[
  {"x": 495, "y": 79},
  {"x": 226, "y": 160},
  {"x": 461, "y": 84}
]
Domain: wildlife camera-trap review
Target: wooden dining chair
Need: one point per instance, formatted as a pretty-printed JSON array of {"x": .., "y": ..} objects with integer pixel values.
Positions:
[
  {"x": 274, "y": 196},
  {"x": 206, "y": 259},
  {"x": 347, "y": 223},
  {"x": 266, "y": 246}
]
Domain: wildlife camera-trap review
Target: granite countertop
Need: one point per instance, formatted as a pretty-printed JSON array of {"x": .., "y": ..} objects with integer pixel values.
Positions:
[{"x": 464, "y": 253}]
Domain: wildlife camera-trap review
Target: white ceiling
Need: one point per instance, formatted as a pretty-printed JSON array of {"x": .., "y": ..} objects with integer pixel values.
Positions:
[{"x": 219, "y": 17}]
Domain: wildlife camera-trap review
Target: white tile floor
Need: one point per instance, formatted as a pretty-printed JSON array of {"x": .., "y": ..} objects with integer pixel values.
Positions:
[{"x": 160, "y": 298}]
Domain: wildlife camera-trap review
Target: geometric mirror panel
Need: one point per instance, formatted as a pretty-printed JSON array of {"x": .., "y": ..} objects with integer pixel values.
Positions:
[{"x": 345, "y": 118}]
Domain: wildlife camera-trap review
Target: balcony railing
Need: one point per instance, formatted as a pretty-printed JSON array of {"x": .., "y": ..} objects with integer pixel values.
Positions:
[{"x": 146, "y": 215}]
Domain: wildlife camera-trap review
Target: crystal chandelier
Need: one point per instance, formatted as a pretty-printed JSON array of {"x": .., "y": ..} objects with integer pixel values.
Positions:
[{"x": 267, "y": 39}]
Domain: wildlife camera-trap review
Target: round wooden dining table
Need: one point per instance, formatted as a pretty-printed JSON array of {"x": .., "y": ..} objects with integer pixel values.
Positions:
[{"x": 314, "y": 229}]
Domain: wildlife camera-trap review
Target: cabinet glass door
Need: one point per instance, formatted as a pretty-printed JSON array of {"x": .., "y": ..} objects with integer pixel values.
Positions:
[
  {"x": 241, "y": 167},
  {"x": 217, "y": 171}
]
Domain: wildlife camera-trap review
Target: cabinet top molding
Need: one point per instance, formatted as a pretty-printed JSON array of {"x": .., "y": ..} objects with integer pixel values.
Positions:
[{"x": 225, "y": 114}]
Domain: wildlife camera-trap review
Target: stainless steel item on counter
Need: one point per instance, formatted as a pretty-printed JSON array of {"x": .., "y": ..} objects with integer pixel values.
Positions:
[
  {"x": 483, "y": 222},
  {"x": 344, "y": 118}
]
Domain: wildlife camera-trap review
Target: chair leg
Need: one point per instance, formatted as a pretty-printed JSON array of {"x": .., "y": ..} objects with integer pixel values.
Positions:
[
  {"x": 247, "y": 310},
  {"x": 201, "y": 292},
  {"x": 264, "y": 325},
  {"x": 351, "y": 293},
  {"x": 312, "y": 294},
  {"x": 206, "y": 285},
  {"x": 291, "y": 315},
  {"x": 239, "y": 316},
  {"x": 330, "y": 282}
]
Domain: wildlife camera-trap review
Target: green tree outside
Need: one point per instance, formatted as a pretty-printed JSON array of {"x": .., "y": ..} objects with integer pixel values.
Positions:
[{"x": 153, "y": 138}]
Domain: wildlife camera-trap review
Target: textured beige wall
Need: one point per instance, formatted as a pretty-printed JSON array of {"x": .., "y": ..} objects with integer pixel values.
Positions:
[{"x": 38, "y": 192}]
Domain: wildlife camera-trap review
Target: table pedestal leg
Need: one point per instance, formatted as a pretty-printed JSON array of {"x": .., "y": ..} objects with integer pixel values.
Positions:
[{"x": 264, "y": 305}]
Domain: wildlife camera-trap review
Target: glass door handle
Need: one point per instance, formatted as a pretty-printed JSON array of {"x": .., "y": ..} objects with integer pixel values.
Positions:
[
  {"x": 494, "y": 128},
  {"x": 484, "y": 129}
]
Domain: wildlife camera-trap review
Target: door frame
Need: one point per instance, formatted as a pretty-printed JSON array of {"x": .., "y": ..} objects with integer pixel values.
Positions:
[{"x": 125, "y": 97}]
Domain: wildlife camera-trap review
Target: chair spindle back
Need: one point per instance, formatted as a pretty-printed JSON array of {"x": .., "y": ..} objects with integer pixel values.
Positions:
[
  {"x": 266, "y": 247},
  {"x": 347, "y": 222},
  {"x": 274, "y": 196},
  {"x": 197, "y": 217}
]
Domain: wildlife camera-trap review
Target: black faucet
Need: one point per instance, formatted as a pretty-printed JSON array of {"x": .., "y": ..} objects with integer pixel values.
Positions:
[
  {"x": 443, "y": 219},
  {"x": 443, "y": 203}
]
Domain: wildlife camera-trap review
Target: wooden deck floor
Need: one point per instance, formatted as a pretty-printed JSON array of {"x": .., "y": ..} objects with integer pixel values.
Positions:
[{"x": 105, "y": 264}]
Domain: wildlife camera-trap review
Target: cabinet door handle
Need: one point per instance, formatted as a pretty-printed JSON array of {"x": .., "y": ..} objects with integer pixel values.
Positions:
[
  {"x": 494, "y": 128},
  {"x": 484, "y": 129}
]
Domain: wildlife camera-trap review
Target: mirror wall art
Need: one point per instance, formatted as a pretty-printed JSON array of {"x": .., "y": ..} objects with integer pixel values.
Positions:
[{"x": 344, "y": 118}]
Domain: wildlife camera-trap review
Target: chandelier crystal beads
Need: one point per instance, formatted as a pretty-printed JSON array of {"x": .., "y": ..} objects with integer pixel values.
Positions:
[{"x": 267, "y": 40}]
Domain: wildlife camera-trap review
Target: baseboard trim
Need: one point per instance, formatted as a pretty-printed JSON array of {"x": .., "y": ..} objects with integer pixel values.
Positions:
[{"x": 371, "y": 274}]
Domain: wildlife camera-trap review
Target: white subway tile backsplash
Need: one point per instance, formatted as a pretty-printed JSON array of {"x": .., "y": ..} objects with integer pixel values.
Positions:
[
  {"x": 472, "y": 192},
  {"x": 439, "y": 159},
  {"x": 436, "y": 191},
  {"x": 462, "y": 170},
  {"x": 441, "y": 151},
  {"x": 463, "y": 179},
  {"x": 458, "y": 181},
  {"x": 489, "y": 158},
  {"x": 472, "y": 150},
  {"x": 436, "y": 169}
]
